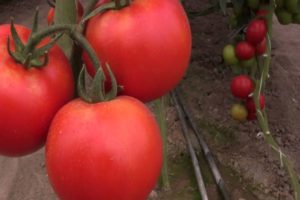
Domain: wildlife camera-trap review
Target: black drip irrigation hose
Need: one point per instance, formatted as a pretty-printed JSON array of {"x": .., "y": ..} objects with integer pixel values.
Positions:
[
  {"x": 199, "y": 178},
  {"x": 185, "y": 114}
]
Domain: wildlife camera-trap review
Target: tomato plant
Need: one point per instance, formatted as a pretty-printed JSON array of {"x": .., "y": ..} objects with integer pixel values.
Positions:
[
  {"x": 30, "y": 96},
  {"x": 148, "y": 63},
  {"x": 112, "y": 151},
  {"x": 239, "y": 112},
  {"x": 244, "y": 50},
  {"x": 242, "y": 86},
  {"x": 256, "y": 31}
]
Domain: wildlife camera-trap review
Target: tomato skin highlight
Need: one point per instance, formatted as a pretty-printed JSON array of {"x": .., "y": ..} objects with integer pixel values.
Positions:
[
  {"x": 244, "y": 50},
  {"x": 108, "y": 150},
  {"x": 147, "y": 45},
  {"x": 256, "y": 31},
  {"x": 30, "y": 97},
  {"x": 241, "y": 86}
]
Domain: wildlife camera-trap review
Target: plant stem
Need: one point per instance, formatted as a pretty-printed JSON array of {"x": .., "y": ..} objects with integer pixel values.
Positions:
[
  {"x": 262, "y": 116},
  {"x": 72, "y": 31},
  {"x": 160, "y": 114}
]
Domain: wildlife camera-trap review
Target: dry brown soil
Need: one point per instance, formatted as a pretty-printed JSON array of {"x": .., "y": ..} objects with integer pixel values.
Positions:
[{"x": 249, "y": 168}]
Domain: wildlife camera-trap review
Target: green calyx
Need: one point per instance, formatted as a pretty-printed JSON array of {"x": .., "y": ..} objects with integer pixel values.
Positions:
[
  {"x": 93, "y": 90},
  {"x": 27, "y": 54}
]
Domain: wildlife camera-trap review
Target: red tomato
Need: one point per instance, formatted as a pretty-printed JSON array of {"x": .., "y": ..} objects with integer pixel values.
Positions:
[
  {"x": 242, "y": 86},
  {"x": 147, "y": 45},
  {"x": 261, "y": 48},
  {"x": 250, "y": 105},
  {"x": 262, "y": 12},
  {"x": 108, "y": 150},
  {"x": 251, "y": 116},
  {"x": 244, "y": 50},
  {"x": 51, "y": 12},
  {"x": 30, "y": 97},
  {"x": 256, "y": 31}
]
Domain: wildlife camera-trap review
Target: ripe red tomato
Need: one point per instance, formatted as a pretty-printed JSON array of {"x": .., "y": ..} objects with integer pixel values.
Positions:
[
  {"x": 251, "y": 116},
  {"x": 256, "y": 31},
  {"x": 250, "y": 105},
  {"x": 107, "y": 150},
  {"x": 241, "y": 86},
  {"x": 261, "y": 48},
  {"x": 51, "y": 12},
  {"x": 261, "y": 12},
  {"x": 30, "y": 97},
  {"x": 147, "y": 45},
  {"x": 244, "y": 50}
]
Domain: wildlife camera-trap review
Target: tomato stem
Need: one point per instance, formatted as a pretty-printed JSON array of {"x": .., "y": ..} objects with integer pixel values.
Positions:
[
  {"x": 161, "y": 117},
  {"x": 262, "y": 116}
]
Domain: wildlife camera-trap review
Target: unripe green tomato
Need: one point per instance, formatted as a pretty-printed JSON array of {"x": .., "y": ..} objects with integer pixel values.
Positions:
[
  {"x": 279, "y": 3},
  {"x": 296, "y": 18},
  {"x": 239, "y": 112},
  {"x": 284, "y": 17},
  {"x": 291, "y": 6},
  {"x": 229, "y": 55},
  {"x": 253, "y": 4},
  {"x": 248, "y": 63}
]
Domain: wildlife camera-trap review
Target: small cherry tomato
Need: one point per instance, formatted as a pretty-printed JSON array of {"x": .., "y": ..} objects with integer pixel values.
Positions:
[
  {"x": 239, "y": 112},
  {"x": 229, "y": 55},
  {"x": 261, "y": 48},
  {"x": 250, "y": 105},
  {"x": 244, "y": 50},
  {"x": 242, "y": 86},
  {"x": 256, "y": 31}
]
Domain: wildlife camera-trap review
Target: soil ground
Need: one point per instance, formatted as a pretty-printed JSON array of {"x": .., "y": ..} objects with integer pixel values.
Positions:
[{"x": 249, "y": 168}]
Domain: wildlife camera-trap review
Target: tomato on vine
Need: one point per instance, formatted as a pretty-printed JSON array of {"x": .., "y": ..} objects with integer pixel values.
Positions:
[
  {"x": 250, "y": 105},
  {"x": 261, "y": 48},
  {"x": 148, "y": 63},
  {"x": 229, "y": 55},
  {"x": 239, "y": 112},
  {"x": 242, "y": 86},
  {"x": 244, "y": 50},
  {"x": 30, "y": 95},
  {"x": 108, "y": 149},
  {"x": 256, "y": 31}
]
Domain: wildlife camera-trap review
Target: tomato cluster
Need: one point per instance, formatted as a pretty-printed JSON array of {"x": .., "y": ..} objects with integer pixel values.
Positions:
[
  {"x": 250, "y": 45},
  {"x": 288, "y": 11},
  {"x": 99, "y": 146}
]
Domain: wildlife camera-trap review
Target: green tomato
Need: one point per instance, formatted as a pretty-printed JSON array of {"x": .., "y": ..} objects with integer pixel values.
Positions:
[
  {"x": 291, "y": 6},
  {"x": 253, "y": 4},
  {"x": 239, "y": 112},
  {"x": 229, "y": 55},
  {"x": 284, "y": 17},
  {"x": 296, "y": 18},
  {"x": 248, "y": 63}
]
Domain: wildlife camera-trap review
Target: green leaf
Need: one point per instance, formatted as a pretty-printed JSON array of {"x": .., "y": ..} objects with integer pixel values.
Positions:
[{"x": 65, "y": 13}]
